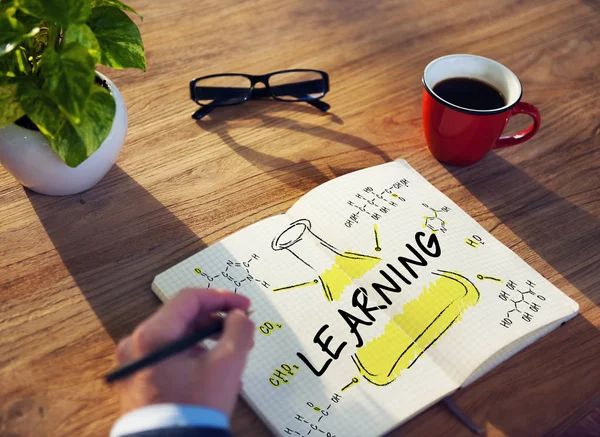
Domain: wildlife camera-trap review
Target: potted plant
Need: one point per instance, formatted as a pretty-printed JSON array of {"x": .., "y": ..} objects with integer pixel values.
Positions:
[{"x": 62, "y": 123}]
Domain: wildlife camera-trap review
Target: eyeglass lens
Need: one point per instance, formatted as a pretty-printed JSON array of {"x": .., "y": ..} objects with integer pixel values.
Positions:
[
  {"x": 222, "y": 90},
  {"x": 297, "y": 85}
]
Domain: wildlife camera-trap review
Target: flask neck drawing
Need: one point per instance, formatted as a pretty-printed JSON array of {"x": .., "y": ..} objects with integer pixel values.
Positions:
[{"x": 336, "y": 268}]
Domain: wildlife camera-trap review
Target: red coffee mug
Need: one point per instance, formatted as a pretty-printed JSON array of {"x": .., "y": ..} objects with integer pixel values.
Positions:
[{"x": 462, "y": 136}]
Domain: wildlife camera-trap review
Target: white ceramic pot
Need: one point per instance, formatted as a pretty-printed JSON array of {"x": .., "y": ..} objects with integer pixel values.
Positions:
[{"x": 28, "y": 157}]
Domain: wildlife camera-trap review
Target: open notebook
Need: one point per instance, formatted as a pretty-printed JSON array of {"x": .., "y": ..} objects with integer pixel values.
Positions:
[{"x": 374, "y": 297}]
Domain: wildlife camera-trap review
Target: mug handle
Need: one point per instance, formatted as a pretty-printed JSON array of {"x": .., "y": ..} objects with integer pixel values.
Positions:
[{"x": 524, "y": 135}]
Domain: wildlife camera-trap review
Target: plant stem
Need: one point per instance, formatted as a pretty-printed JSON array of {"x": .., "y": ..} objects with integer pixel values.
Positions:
[{"x": 53, "y": 35}]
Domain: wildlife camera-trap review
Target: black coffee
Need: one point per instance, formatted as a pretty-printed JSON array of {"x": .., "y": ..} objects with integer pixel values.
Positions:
[{"x": 470, "y": 93}]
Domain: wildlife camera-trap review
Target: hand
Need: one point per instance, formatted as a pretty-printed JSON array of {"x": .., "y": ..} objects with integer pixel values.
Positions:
[{"x": 198, "y": 376}]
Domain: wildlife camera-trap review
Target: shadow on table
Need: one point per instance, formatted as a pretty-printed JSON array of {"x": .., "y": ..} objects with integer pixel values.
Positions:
[
  {"x": 113, "y": 239},
  {"x": 544, "y": 387},
  {"x": 302, "y": 174},
  {"x": 560, "y": 367},
  {"x": 593, "y": 4},
  {"x": 565, "y": 236},
  {"x": 562, "y": 233}
]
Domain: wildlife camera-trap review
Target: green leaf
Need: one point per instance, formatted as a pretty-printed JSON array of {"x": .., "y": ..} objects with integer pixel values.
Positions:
[
  {"x": 69, "y": 76},
  {"x": 82, "y": 34},
  {"x": 116, "y": 4},
  {"x": 14, "y": 64},
  {"x": 7, "y": 7},
  {"x": 10, "y": 108},
  {"x": 75, "y": 143},
  {"x": 61, "y": 12},
  {"x": 29, "y": 21},
  {"x": 12, "y": 33},
  {"x": 40, "y": 108},
  {"x": 97, "y": 119},
  {"x": 119, "y": 38}
]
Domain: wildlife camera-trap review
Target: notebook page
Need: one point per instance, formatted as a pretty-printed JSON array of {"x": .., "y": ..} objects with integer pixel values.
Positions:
[
  {"x": 331, "y": 354},
  {"x": 289, "y": 309},
  {"x": 517, "y": 305},
  {"x": 474, "y": 299}
]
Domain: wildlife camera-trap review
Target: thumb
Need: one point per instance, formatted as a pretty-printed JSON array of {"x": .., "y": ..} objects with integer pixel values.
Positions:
[{"x": 238, "y": 336}]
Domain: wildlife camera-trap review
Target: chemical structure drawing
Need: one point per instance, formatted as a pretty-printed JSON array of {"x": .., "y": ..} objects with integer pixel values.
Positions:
[
  {"x": 335, "y": 268},
  {"x": 237, "y": 273},
  {"x": 375, "y": 205},
  {"x": 396, "y": 185},
  {"x": 310, "y": 424},
  {"x": 523, "y": 304},
  {"x": 435, "y": 222}
]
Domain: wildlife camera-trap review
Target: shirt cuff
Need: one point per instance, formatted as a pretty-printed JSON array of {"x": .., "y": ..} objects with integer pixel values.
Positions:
[{"x": 168, "y": 416}]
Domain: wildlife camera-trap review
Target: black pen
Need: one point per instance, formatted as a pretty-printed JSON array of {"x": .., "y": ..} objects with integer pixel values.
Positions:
[{"x": 166, "y": 351}]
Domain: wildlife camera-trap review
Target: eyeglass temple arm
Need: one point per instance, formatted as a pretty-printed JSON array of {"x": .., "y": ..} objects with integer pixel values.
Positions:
[
  {"x": 296, "y": 90},
  {"x": 300, "y": 90},
  {"x": 205, "y": 110},
  {"x": 202, "y": 112},
  {"x": 259, "y": 93},
  {"x": 319, "y": 104}
]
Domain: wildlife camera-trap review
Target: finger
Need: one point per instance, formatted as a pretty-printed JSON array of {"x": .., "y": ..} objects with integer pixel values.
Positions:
[
  {"x": 204, "y": 321},
  {"x": 124, "y": 352},
  {"x": 196, "y": 351},
  {"x": 173, "y": 320},
  {"x": 238, "y": 336},
  {"x": 215, "y": 337}
]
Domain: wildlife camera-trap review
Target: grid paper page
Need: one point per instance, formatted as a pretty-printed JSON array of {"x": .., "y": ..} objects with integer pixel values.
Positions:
[
  {"x": 288, "y": 309},
  {"x": 374, "y": 297},
  {"x": 486, "y": 297}
]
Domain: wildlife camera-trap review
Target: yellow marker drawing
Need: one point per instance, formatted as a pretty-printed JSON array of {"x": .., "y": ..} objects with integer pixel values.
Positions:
[
  {"x": 268, "y": 327},
  {"x": 420, "y": 324},
  {"x": 304, "y": 284},
  {"x": 335, "y": 268},
  {"x": 394, "y": 195},
  {"x": 355, "y": 380},
  {"x": 376, "y": 229},
  {"x": 198, "y": 270},
  {"x": 348, "y": 266},
  {"x": 481, "y": 278}
]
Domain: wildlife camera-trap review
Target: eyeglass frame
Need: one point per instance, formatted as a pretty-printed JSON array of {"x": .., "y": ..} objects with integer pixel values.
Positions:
[{"x": 264, "y": 92}]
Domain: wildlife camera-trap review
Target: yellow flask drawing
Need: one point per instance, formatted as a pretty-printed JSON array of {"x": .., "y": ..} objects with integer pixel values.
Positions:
[
  {"x": 421, "y": 323},
  {"x": 336, "y": 269}
]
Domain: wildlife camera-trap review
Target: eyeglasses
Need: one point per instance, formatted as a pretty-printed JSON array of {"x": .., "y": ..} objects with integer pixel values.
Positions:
[{"x": 233, "y": 89}]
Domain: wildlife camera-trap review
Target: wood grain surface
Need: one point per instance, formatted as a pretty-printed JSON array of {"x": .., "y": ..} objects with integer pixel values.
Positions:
[{"x": 75, "y": 272}]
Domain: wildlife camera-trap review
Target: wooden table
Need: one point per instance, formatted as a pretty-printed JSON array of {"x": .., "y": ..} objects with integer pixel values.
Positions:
[{"x": 75, "y": 272}]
